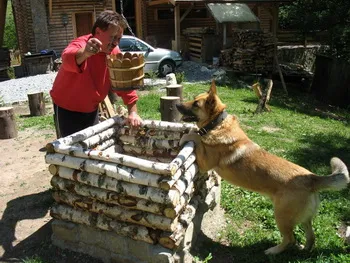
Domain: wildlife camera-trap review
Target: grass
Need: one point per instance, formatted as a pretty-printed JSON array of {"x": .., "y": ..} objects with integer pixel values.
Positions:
[{"x": 299, "y": 129}]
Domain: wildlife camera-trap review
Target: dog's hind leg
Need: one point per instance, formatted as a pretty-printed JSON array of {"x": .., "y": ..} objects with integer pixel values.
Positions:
[
  {"x": 310, "y": 235},
  {"x": 286, "y": 229}
]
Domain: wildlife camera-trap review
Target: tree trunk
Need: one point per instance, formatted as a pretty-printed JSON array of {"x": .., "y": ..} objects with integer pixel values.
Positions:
[
  {"x": 168, "y": 109},
  {"x": 150, "y": 143},
  {"x": 36, "y": 104},
  {"x": 174, "y": 90},
  {"x": 8, "y": 127}
]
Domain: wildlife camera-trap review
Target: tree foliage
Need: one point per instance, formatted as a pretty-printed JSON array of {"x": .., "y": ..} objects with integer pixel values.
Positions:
[
  {"x": 10, "y": 36},
  {"x": 332, "y": 16}
]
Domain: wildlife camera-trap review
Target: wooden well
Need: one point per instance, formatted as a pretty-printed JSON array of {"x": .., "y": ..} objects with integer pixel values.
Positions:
[
  {"x": 126, "y": 70},
  {"x": 126, "y": 195}
]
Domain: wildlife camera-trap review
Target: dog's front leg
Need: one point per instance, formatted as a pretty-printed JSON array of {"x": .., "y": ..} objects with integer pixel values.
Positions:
[{"x": 201, "y": 156}]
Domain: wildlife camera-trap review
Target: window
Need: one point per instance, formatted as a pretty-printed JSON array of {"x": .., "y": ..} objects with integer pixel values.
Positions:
[{"x": 129, "y": 44}]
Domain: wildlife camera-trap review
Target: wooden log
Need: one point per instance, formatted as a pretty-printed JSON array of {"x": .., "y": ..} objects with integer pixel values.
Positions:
[
  {"x": 182, "y": 181},
  {"x": 116, "y": 212},
  {"x": 171, "y": 197},
  {"x": 150, "y": 143},
  {"x": 136, "y": 232},
  {"x": 98, "y": 138},
  {"x": 152, "y": 133},
  {"x": 137, "y": 151},
  {"x": 36, "y": 104},
  {"x": 168, "y": 126},
  {"x": 173, "y": 239},
  {"x": 111, "y": 197},
  {"x": 116, "y": 158},
  {"x": 83, "y": 134},
  {"x": 174, "y": 90},
  {"x": 168, "y": 109},
  {"x": 119, "y": 172},
  {"x": 183, "y": 155},
  {"x": 8, "y": 128}
]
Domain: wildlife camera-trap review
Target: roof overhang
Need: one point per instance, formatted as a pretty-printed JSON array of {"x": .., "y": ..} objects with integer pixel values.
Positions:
[{"x": 232, "y": 13}]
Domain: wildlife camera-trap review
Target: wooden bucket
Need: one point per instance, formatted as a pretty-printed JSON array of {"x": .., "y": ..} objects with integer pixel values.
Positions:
[{"x": 126, "y": 71}]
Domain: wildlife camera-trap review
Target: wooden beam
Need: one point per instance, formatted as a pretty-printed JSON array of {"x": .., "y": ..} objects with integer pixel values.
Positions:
[
  {"x": 138, "y": 18},
  {"x": 3, "y": 7},
  {"x": 188, "y": 10},
  {"x": 177, "y": 27},
  {"x": 160, "y": 2},
  {"x": 50, "y": 8}
]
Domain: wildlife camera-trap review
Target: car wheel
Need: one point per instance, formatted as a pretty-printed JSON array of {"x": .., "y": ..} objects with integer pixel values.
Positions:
[{"x": 166, "y": 67}]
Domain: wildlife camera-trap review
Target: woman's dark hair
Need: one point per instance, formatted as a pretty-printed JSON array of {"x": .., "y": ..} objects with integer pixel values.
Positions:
[{"x": 106, "y": 18}]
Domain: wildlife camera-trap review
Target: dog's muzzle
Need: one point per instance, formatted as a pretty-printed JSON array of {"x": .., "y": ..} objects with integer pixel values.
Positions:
[{"x": 187, "y": 115}]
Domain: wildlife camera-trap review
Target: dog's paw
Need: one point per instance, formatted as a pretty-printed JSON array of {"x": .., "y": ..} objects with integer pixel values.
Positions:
[{"x": 189, "y": 137}]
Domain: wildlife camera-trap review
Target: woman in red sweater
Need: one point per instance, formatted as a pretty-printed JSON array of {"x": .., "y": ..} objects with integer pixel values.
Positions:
[{"x": 83, "y": 79}]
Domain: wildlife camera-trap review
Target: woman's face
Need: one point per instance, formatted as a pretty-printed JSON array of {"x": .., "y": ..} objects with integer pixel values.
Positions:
[{"x": 109, "y": 38}]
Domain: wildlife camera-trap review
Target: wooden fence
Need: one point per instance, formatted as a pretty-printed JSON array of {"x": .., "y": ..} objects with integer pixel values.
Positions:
[{"x": 296, "y": 37}]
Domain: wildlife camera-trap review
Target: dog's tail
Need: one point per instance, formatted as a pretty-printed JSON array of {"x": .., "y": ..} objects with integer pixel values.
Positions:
[{"x": 338, "y": 180}]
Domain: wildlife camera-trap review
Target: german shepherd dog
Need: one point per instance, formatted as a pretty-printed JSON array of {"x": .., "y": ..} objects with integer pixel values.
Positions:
[{"x": 223, "y": 146}]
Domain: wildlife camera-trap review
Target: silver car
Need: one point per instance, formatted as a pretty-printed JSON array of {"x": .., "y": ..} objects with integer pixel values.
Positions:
[{"x": 163, "y": 61}]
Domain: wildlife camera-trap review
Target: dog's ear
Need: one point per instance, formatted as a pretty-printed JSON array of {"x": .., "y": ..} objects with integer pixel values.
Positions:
[{"x": 212, "y": 88}]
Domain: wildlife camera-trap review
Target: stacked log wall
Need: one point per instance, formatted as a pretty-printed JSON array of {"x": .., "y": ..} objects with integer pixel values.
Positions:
[{"x": 132, "y": 195}]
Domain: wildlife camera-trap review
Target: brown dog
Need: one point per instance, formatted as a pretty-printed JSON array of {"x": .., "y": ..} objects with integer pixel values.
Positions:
[{"x": 223, "y": 146}]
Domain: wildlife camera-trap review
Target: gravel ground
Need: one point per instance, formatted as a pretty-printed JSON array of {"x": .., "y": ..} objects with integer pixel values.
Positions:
[{"x": 16, "y": 90}]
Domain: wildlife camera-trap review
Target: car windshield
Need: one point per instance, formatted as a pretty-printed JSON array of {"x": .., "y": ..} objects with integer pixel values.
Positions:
[{"x": 130, "y": 44}]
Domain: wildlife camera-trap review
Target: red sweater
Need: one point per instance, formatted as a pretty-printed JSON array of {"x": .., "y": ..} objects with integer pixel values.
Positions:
[{"x": 82, "y": 88}]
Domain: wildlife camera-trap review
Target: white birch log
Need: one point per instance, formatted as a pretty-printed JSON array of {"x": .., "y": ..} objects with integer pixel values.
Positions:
[
  {"x": 136, "y": 232},
  {"x": 116, "y": 212},
  {"x": 116, "y": 158},
  {"x": 112, "y": 197},
  {"x": 167, "y": 184},
  {"x": 153, "y": 194},
  {"x": 137, "y": 151},
  {"x": 169, "y": 126},
  {"x": 170, "y": 135},
  {"x": 94, "y": 140},
  {"x": 84, "y": 134},
  {"x": 173, "y": 212},
  {"x": 106, "y": 144},
  {"x": 114, "y": 148},
  {"x": 185, "y": 152},
  {"x": 150, "y": 143},
  {"x": 118, "y": 172},
  {"x": 173, "y": 239}
]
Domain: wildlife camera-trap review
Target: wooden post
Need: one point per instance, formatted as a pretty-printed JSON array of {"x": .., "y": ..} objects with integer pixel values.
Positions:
[
  {"x": 168, "y": 108},
  {"x": 8, "y": 128},
  {"x": 36, "y": 104},
  {"x": 174, "y": 90}
]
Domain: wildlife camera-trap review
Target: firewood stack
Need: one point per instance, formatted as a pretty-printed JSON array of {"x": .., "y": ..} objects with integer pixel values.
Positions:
[
  {"x": 138, "y": 184},
  {"x": 252, "y": 51}
]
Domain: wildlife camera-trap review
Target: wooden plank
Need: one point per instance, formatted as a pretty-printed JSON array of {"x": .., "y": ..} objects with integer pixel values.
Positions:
[
  {"x": 158, "y": 2},
  {"x": 3, "y": 7},
  {"x": 195, "y": 44},
  {"x": 195, "y": 49}
]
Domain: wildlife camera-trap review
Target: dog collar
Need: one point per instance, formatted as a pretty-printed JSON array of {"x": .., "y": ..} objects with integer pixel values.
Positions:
[{"x": 211, "y": 125}]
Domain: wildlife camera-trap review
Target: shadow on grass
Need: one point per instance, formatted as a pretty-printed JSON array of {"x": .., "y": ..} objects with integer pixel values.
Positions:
[{"x": 255, "y": 253}]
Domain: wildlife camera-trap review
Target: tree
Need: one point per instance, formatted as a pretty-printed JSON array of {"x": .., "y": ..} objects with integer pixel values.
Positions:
[
  {"x": 10, "y": 36},
  {"x": 321, "y": 15}
]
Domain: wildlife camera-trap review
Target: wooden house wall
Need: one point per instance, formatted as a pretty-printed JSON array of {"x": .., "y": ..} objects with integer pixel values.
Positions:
[
  {"x": 164, "y": 30},
  {"x": 59, "y": 37}
]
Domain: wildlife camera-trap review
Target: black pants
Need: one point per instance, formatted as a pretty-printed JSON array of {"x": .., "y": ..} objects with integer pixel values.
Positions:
[{"x": 69, "y": 122}]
